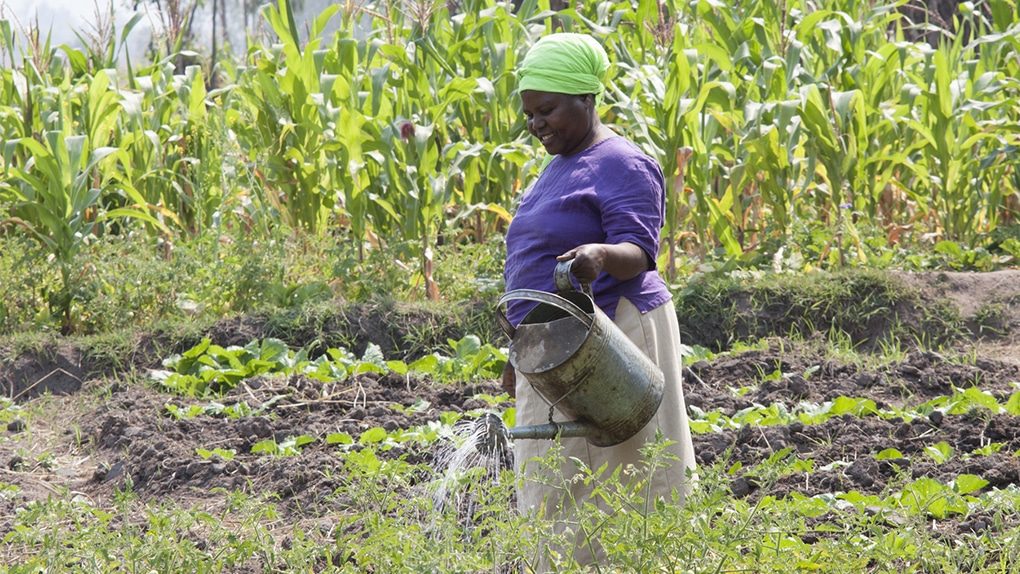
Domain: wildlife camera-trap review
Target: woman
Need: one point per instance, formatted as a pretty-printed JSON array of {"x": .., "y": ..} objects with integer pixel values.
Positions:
[{"x": 600, "y": 203}]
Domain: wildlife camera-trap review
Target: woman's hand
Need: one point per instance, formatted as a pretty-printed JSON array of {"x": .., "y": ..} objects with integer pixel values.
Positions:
[
  {"x": 589, "y": 260},
  {"x": 509, "y": 382},
  {"x": 621, "y": 260}
]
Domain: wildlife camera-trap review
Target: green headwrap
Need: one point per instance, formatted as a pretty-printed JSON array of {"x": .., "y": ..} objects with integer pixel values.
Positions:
[{"x": 564, "y": 64}]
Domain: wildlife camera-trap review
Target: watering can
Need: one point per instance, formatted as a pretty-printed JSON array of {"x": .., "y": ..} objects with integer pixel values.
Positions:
[{"x": 581, "y": 364}]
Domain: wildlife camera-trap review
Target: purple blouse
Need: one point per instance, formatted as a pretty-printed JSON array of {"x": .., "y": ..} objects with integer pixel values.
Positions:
[{"x": 608, "y": 193}]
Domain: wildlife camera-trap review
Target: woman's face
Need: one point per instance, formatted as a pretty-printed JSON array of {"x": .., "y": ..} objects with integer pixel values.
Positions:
[{"x": 564, "y": 123}]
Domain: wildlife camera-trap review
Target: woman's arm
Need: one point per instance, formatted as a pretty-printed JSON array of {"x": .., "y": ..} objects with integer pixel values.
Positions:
[{"x": 621, "y": 260}]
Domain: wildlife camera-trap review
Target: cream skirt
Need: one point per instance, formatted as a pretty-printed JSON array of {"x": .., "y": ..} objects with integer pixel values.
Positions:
[{"x": 657, "y": 334}]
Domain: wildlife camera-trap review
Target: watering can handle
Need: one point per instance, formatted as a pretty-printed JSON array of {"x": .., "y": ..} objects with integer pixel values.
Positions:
[
  {"x": 541, "y": 297},
  {"x": 562, "y": 277}
]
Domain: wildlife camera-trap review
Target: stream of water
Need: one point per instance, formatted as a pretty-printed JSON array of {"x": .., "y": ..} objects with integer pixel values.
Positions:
[{"x": 474, "y": 456}]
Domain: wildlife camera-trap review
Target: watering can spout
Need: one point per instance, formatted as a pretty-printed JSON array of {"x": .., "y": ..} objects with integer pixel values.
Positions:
[
  {"x": 492, "y": 436},
  {"x": 551, "y": 430}
]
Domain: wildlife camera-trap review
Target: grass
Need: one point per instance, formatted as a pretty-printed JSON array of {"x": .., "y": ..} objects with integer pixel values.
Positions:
[
  {"x": 294, "y": 283},
  {"x": 318, "y": 289},
  {"x": 75, "y": 535},
  {"x": 992, "y": 318},
  {"x": 231, "y": 531},
  {"x": 38, "y": 343}
]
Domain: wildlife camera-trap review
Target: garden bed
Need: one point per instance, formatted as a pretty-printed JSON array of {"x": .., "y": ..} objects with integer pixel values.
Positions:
[{"x": 782, "y": 420}]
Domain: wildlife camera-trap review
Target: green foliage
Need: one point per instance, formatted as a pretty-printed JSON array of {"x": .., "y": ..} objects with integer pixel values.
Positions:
[
  {"x": 885, "y": 532},
  {"x": 9, "y": 410},
  {"x": 76, "y": 532},
  {"x": 940, "y": 452},
  {"x": 290, "y": 446},
  {"x": 208, "y": 369},
  {"x": 211, "y": 369},
  {"x": 220, "y": 453},
  {"x": 805, "y": 135},
  {"x": 967, "y": 401},
  {"x": 470, "y": 359},
  {"x": 124, "y": 281},
  {"x": 56, "y": 199},
  {"x": 235, "y": 411}
]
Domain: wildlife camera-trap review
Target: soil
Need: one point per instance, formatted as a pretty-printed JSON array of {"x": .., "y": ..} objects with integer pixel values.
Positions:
[
  {"x": 108, "y": 430},
  {"x": 126, "y": 435},
  {"x": 56, "y": 369},
  {"x": 158, "y": 452},
  {"x": 842, "y": 449}
]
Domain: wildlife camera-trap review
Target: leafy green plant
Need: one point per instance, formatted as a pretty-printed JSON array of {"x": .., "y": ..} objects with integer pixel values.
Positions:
[
  {"x": 283, "y": 116},
  {"x": 9, "y": 410},
  {"x": 940, "y": 452},
  {"x": 235, "y": 411},
  {"x": 470, "y": 360},
  {"x": 970, "y": 400},
  {"x": 209, "y": 369},
  {"x": 220, "y": 453},
  {"x": 290, "y": 446}
]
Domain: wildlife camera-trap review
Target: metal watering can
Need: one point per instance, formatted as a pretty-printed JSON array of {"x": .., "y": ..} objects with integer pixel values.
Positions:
[{"x": 581, "y": 363}]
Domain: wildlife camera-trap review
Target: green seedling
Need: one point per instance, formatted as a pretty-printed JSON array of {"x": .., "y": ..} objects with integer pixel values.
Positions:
[
  {"x": 291, "y": 446},
  {"x": 220, "y": 453}
]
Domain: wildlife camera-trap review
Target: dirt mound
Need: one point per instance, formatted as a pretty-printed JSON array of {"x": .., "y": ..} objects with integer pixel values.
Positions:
[
  {"x": 56, "y": 368},
  {"x": 987, "y": 301},
  {"x": 870, "y": 308},
  {"x": 988, "y": 305}
]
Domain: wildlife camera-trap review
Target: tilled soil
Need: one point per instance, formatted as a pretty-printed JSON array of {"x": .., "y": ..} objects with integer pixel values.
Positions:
[
  {"x": 158, "y": 453},
  {"x": 791, "y": 376},
  {"x": 842, "y": 449}
]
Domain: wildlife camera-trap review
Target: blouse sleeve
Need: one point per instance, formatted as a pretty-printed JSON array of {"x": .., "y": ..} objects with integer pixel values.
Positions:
[{"x": 633, "y": 204}]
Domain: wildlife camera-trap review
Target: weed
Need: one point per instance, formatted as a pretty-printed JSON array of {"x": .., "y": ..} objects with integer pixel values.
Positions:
[{"x": 990, "y": 320}]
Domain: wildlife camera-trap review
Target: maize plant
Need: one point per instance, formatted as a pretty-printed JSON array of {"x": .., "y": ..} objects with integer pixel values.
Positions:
[
  {"x": 817, "y": 125},
  {"x": 56, "y": 199},
  {"x": 283, "y": 123}
]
